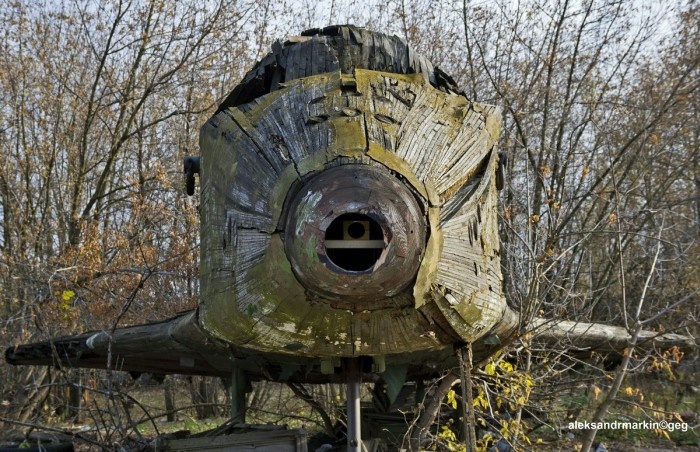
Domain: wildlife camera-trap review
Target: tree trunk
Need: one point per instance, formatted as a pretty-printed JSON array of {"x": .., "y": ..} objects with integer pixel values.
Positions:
[
  {"x": 204, "y": 396},
  {"x": 469, "y": 420},
  {"x": 169, "y": 394},
  {"x": 33, "y": 388},
  {"x": 74, "y": 395},
  {"x": 431, "y": 411}
]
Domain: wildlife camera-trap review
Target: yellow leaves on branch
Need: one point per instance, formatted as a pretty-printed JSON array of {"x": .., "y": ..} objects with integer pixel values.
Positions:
[
  {"x": 509, "y": 389},
  {"x": 67, "y": 297},
  {"x": 634, "y": 392},
  {"x": 64, "y": 314},
  {"x": 447, "y": 433},
  {"x": 662, "y": 433},
  {"x": 490, "y": 368},
  {"x": 448, "y": 436},
  {"x": 452, "y": 398},
  {"x": 480, "y": 401},
  {"x": 665, "y": 362},
  {"x": 512, "y": 389}
]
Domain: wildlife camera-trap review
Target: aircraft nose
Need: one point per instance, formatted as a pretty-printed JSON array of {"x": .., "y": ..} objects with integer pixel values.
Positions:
[{"x": 355, "y": 231}]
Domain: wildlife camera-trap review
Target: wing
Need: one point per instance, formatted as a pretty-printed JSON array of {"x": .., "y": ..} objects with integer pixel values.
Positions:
[{"x": 179, "y": 345}]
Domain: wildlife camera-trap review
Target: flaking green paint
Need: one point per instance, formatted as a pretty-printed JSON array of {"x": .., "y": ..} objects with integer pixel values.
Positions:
[
  {"x": 280, "y": 190},
  {"x": 310, "y": 249},
  {"x": 493, "y": 123},
  {"x": 429, "y": 264},
  {"x": 471, "y": 313},
  {"x": 395, "y": 163}
]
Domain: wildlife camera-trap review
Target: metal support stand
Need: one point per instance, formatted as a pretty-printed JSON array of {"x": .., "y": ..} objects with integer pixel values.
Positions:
[
  {"x": 353, "y": 379},
  {"x": 239, "y": 387}
]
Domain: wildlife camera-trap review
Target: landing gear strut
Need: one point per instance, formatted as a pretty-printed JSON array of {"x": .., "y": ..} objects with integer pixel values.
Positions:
[{"x": 353, "y": 380}]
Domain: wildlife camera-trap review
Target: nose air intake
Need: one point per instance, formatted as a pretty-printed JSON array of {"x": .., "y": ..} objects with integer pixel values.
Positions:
[
  {"x": 354, "y": 242},
  {"x": 355, "y": 231}
]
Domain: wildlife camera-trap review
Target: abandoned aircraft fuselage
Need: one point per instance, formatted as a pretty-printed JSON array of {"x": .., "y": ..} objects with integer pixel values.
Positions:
[
  {"x": 348, "y": 209},
  {"x": 348, "y": 205}
]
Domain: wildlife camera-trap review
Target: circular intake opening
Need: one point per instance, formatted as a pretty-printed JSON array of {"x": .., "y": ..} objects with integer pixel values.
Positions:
[
  {"x": 354, "y": 232},
  {"x": 354, "y": 242}
]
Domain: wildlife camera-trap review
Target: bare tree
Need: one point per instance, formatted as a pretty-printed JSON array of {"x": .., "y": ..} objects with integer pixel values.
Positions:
[{"x": 100, "y": 105}]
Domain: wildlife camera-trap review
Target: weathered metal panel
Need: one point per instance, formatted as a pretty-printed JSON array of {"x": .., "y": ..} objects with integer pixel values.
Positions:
[{"x": 435, "y": 141}]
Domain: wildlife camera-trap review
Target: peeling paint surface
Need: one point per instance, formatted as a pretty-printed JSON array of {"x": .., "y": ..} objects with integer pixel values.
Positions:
[{"x": 274, "y": 291}]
